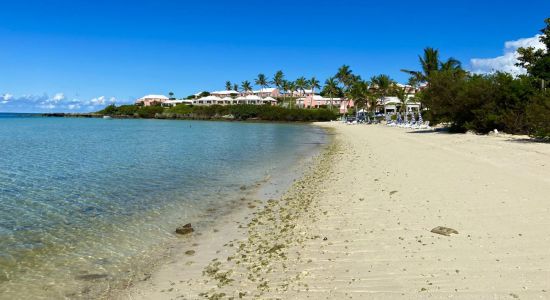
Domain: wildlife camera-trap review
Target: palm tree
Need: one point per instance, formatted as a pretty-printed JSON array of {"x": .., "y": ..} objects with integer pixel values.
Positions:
[
  {"x": 331, "y": 88},
  {"x": 236, "y": 87},
  {"x": 286, "y": 87},
  {"x": 358, "y": 92},
  {"x": 431, "y": 63},
  {"x": 278, "y": 79},
  {"x": 171, "y": 95},
  {"x": 313, "y": 84},
  {"x": 301, "y": 84},
  {"x": 292, "y": 86},
  {"x": 383, "y": 85},
  {"x": 261, "y": 81},
  {"x": 246, "y": 86},
  {"x": 401, "y": 93},
  {"x": 228, "y": 85},
  {"x": 345, "y": 76}
]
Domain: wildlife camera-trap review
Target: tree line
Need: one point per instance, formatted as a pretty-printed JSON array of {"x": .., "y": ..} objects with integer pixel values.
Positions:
[{"x": 484, "y": 102}]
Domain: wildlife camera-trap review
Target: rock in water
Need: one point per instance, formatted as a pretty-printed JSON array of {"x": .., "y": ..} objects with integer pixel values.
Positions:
[
  {"x": 444, "y": 231},
  {"x": 185, "y": 229}
]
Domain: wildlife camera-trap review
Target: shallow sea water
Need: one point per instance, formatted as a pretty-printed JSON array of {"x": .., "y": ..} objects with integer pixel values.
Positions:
[{"x": 89, "y": 199}]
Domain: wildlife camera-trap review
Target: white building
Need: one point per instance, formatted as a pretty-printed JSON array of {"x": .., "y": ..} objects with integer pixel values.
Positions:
[
  {"x": 170, "y": 103},
  {"x": 223, "y": 94}
]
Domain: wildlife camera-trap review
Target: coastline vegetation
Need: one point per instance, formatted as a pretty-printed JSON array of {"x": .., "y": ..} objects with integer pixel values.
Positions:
[
  {"x": 484, "y": 102},
  {"x": 241, "y": 112},
  {"x": 448, "y": 94}
]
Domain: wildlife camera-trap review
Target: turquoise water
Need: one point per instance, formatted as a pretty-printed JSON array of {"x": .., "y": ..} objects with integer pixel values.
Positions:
[{"x": 92, "y": 196}]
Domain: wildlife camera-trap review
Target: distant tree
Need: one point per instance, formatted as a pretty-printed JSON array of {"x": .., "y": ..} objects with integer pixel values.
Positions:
[
  {"x": 292, "y": 87},
  {"x": 228, "y": 85},
  {"x": 383, "y": 84},
  {"x": 262, "y": 81},
  {"x": 537, "y": 61},
  {"x": 431, "y": 63},
  {"x": 235, "y": 87},
  {"x": 359, "y": 93},
  {"x": 278, "y": 79},
  {"x": 301, "y": 83},
  {"x": 314, "y": 84},
  {"x": 246, "y": 86},
  {"x": 171, "y": 95},
  {"x": 345, "y": 77},
  {"x": 204, "y": 94},
  {"x": 331, "y": 89}
]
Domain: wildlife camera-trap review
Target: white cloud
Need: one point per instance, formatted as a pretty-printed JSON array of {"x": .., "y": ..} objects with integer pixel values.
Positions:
[
  {"x": 58, "y": 97},
  {"x": 56, "y": 102},
  {"x": 506, "y": 62},
  {"x": 6, "y": 97},
  {"x": 98, "y": 101}
]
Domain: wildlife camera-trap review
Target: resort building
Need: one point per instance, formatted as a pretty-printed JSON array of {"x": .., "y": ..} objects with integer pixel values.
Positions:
[
  {"x": 393, "y": 104},
  {"x": 170, "y": 103},
  {"x": 249, "y": 99},
  {"x": 316, "y": 101},
  {"x": 151, "y": 100},
  {"x": 223, "y": 94},
  {"x": 267, "y": 92}
]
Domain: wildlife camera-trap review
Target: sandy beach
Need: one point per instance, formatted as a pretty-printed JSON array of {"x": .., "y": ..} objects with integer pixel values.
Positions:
[{"x": 358, "y": 226}]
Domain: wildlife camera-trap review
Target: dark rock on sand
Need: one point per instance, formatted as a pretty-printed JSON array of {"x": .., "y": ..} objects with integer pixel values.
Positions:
[
  {"x": 185, "y": 229},
  {"x": 190, "y": 252},
  {"x": 444, "y": 231}
]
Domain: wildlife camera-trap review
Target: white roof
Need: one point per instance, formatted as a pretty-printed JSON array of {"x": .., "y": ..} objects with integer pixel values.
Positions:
[
  {"x": 265, "y": 90},
  {"x": 225, "y": 92},
  {"x": 320, "y": 98},
  {"x": 253, "y": 97},
  {"x": 390, "y": 100},
  {"x": 269, "y": 99},
  {"x": 240, "y": 98},
  {"x": 209, "y": 98},
  {"x": 154, "y": 97},
  {"x": 178, "y": 101},
  {"x": 227, "y": 98}
]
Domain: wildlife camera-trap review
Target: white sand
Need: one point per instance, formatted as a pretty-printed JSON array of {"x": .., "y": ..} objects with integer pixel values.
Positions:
[{"x": 375, "y": 196}]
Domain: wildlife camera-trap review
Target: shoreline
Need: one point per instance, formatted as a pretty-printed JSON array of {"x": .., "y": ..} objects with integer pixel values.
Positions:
[
  {"x": 357, "y": 224},
  {"x": 191, "y": 253}
]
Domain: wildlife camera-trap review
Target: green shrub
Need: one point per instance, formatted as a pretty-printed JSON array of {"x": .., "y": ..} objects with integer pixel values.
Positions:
[
  {"x": 479, "y": 102},
  {"x": 538, "y": 116},
  {"x": 239, "y": 112}
]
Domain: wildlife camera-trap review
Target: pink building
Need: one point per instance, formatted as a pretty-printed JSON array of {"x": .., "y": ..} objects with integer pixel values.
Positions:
[
  {"x": 267, "y": 92},
  {"x": 150, "y": 100}
]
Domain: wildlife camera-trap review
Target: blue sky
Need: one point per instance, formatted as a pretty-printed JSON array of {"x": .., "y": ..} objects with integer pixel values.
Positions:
[{"x": 82, "y": 55}]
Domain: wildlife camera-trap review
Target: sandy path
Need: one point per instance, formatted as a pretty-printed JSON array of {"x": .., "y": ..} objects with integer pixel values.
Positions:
[{"x": 358, "y": 226}]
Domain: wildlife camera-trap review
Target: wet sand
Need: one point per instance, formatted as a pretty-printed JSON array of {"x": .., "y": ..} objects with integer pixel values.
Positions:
[{"x": 358, "y": 226}]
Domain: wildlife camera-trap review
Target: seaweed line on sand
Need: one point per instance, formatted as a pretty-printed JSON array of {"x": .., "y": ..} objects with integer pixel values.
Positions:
[{"x": 261, "y": 265}]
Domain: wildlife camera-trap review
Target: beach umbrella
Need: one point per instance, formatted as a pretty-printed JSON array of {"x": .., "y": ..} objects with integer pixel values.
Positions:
[
  {"x": 406, "y": 117},
  {"x": 420, "y": 118},
  {"x": 398, "y": 117},
  {"x": 412, "y": 117}
]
